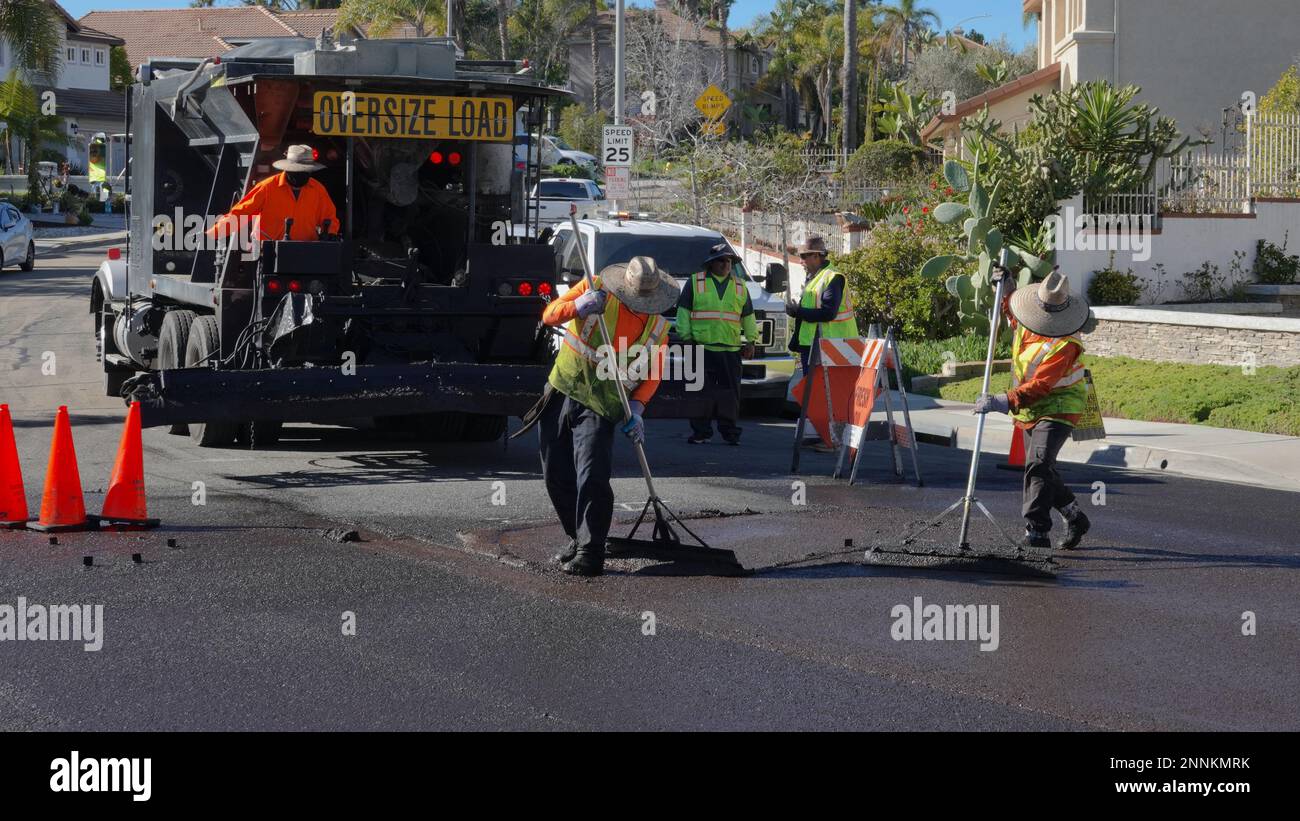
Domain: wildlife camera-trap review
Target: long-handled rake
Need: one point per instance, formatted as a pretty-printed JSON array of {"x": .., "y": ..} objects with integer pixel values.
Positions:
[
  {"x": 1019, "y": 561},
  {"x": 664, "y": 545}
]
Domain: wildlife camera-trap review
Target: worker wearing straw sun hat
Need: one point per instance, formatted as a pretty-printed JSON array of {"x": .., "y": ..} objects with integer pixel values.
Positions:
[{"x": 1047, "y": 398}]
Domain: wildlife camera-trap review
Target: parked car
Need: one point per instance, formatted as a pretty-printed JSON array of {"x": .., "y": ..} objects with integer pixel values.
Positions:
[
  {"x": 17, "y": 238},
  {"x": 679, "y": 250},
  {"x": 556, "y": 194}
]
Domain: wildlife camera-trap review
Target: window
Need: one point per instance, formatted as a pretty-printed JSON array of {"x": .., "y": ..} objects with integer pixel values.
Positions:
[
  {"x": 85, "y": 56},
  {"x": 99, "y": 56},
  {"x": 71, "y": 56}
]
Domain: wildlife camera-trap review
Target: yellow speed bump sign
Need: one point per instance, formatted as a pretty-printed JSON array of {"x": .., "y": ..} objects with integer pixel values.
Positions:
[
  {"x": 413, "y": 116},
  {"x": 712, "y": 102}
]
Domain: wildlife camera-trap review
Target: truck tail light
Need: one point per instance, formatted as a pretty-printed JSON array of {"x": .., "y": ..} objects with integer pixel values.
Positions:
[
  {"x": 454, "y": 158},
  {"x": 295, "y": 285},
  {"x": 435, "y": 157},
  {"x": 525, "y": 289},
  {"x": 274, "y": 286},
  {"x": 544, "y": 289}
]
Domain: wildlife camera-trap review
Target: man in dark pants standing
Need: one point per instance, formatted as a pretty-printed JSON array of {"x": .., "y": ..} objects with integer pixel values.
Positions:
[
  {"x": 713, "y": 312},
  {"x": 582, "y": 405},
  {"x": 1048, "y": 396}
]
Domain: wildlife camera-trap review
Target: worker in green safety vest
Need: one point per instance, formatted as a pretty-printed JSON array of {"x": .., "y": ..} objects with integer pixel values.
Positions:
[
  {"x": 1048, "y": 396},
  {"x": 825, "y": 310},
  {"x": 714, "y": 312}
]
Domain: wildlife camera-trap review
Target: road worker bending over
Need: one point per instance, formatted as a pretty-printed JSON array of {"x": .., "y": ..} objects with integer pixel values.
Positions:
[
  {"x": 582, "y": 405},
  {"x": 1047, "y": 398}
]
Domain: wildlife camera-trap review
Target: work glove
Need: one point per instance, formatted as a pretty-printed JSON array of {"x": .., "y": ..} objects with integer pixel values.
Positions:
[
  {"x": 791, "y": 310},
  {"x": 634, "y": 427},
  {"x": 592, "y": 302},
  {"x": 993, "y": 403}
]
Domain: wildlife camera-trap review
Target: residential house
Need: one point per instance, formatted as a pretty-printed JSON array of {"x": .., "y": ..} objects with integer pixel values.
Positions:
[
  {"x": 746, "y": 61},
  {"x": 1192, "y": 58},
  {"x": 82, "y": 96}
]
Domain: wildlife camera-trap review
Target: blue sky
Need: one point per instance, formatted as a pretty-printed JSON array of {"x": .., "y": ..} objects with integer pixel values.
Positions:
[{"x": 1004, "y": 15}]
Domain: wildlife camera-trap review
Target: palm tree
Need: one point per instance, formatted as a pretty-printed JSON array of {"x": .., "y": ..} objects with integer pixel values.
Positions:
[
  {"x": 33, "y": 31},
  {"x": 378, "y": 17},
  {"x": 904, "y": 21},
  {"x": 776, "y": 32},
  {"x": 849, "y": 78}
]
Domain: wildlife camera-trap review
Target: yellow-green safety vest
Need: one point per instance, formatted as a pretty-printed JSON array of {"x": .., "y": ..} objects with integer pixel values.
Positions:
[
  {"x": 845, "y": 323},
  {"x": 715, "y": 320},
  {"x": 578, "y": 372},
  {"x": 1069, "y": 395}
]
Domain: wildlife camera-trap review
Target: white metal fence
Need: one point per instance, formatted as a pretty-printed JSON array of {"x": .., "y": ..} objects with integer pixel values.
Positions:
[{"x": 1210, "y": 180}]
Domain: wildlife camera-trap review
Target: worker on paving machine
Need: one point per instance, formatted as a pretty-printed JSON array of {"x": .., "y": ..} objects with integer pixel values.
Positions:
[
  {"x": 1048, "y": 396},
  {"x": 581, "y": 406},
  {"x": 290, "y": 195}
]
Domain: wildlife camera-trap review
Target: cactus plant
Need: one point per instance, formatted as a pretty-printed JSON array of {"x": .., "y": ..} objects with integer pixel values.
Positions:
[{"x": 984, "y": 244}]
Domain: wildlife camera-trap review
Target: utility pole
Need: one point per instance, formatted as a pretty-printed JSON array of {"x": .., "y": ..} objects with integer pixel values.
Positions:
[
  {"x": 451, "y": 25},
  {"x": 618, "y": 63}
]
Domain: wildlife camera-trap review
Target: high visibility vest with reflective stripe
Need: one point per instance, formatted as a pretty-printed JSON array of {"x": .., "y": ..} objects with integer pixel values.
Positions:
[
  {"x": 578, "y": 372},
  {"x": 715, "y": 320},
  {"x": 1069, "y": 395},
  {"x": 845, "y": 323}
]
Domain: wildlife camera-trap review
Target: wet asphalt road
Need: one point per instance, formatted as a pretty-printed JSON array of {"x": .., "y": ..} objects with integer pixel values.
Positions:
[{"x": 461, "y": 622}]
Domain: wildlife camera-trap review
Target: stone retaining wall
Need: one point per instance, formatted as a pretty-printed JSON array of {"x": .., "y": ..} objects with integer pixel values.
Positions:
[{"x": 1201, "y": 339}]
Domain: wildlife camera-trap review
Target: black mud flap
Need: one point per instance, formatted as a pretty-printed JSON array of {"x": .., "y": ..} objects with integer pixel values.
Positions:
[{"x": 188, "y": 395}]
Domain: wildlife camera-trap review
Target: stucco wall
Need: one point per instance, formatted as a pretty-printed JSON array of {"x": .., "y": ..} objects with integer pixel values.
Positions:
[{"x": 1185, "y": 243}]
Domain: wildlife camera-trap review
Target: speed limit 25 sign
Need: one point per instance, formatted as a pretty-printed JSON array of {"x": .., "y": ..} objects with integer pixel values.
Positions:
[{"x": 616, "y": 147}]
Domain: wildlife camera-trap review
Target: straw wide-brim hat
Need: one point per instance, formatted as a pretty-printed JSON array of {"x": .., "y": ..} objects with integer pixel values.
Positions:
[
  {"x": 1049, "y": 309},
  {"x": 297, "y": 158},
  {"x": 641, "y": 286}
]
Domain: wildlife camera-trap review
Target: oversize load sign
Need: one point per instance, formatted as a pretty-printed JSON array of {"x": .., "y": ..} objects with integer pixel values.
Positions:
[{"x": 413, "y": 116}]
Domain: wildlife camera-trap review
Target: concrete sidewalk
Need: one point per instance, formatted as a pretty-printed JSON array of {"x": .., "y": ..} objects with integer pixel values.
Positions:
[{"x": 1218, "y": 454}]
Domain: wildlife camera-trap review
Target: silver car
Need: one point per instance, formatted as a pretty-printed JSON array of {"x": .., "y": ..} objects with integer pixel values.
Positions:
[{"x": 17, "y": 246}]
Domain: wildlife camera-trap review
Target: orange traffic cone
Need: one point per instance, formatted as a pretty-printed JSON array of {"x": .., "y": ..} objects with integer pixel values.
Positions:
[
  {"x": 13, "y": 500},
  {"x": 1016, "y": 458},
  {"x": 124, "y": 504},
  {"x": 63, "y": 507}
]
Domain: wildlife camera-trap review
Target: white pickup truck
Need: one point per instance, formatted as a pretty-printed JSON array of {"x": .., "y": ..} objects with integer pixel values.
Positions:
[
  {"x": 680, "y": 250},
  {"x": 556, "y": 194}
]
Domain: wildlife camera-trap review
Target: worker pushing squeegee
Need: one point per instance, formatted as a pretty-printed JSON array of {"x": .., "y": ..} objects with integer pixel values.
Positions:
[{"x": 584, "y": 399}]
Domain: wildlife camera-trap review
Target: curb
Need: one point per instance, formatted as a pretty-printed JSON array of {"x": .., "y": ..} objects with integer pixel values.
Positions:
[
  {"x": 74, "y": 243},
  {"x": 1103, "y": 453}
]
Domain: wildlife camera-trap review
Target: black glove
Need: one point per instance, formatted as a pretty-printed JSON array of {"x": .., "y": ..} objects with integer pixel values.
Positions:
[{"x": 791, "y": 310}]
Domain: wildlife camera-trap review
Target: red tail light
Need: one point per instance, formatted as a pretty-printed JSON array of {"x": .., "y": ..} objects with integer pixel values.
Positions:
[
  {"x": 435, "y": 157},
  {"x": 525, "y": 289},
  {"x": 315, "y": 155},
  {"x": 544, "y": 289},
  {"x": 114, "y": 253},
  {"x": 274, "y": 286},
  {"x": 295, "y": 285},
  {"x": 454, "y": 158}
]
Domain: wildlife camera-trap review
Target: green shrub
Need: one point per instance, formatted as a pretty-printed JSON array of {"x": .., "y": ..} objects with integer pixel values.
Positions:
[
  {"x": 887, "y": 287},
  {"x": 568, "y": 169},
  {"x": 1111, "y": 287},
  {"x": 582, "y": 128},
  {"x": 1273, "y": 265},
  {"x": 925, "y": 357},
  {"x": 84, "y": 217},
  {"x": 885, "y": 161}
]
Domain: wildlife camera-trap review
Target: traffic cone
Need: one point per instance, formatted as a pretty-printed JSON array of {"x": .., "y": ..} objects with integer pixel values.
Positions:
[
  {"x": 1016, "y": 458},
  {"x": 13, "y": 500},
  {"x": 63, "y": 507},
  {"x": 124, "y": 504}
]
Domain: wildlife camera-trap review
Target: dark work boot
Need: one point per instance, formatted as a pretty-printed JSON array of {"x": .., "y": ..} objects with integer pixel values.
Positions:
[
  {"x": 1036, "y": 539},
  {"x": 589, "y": 561},
  {"x": 1075, "y": 528},
  {"x": 566, "y": 555}
]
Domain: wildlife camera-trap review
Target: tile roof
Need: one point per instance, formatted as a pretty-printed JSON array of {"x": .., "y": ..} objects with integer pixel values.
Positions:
[{"x": 188, "y": 32}]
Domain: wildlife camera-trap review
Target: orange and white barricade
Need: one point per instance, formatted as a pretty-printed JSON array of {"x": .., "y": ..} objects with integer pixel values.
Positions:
[
  {"x": 879, "y": 357},
  {"x": 825, "y": 393}
]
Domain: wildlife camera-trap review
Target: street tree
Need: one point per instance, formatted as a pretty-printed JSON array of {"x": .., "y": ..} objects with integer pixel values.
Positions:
[{"x": 33, "y": 32}]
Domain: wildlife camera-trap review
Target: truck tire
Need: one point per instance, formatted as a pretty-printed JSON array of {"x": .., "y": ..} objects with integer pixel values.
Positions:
[
  {"x": 484, "y": 427},
  {"x": 173, "y": 339},
  {"x": 204, "y": 340}
]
